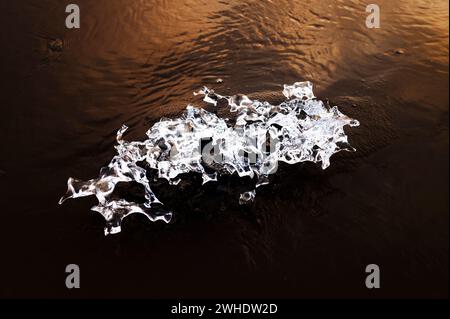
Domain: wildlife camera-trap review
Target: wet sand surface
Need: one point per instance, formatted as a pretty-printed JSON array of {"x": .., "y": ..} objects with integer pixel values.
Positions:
[{"x": 310, "y": 233}]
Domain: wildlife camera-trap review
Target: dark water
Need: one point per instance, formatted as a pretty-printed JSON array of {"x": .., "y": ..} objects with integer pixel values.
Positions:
[{"x": 310, "y": 233}]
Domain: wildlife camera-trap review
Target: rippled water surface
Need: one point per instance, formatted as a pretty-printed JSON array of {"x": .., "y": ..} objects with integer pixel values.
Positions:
[{"x": 310, "y": 232}]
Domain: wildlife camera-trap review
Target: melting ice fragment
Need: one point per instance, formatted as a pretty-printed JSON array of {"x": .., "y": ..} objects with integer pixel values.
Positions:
[
  {"x": 247, "y": 197},
  {"x": 300, "y": 129}
]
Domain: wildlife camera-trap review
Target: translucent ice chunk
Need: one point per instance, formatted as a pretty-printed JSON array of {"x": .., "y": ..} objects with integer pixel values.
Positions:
[{"x": 300, "y": 129}]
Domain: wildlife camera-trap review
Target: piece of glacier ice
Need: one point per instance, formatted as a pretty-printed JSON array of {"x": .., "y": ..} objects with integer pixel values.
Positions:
[{"x": 299, "y": 129}]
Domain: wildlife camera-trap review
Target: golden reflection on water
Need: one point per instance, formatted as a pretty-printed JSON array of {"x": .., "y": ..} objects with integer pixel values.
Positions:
[
  {"x": 162, "y": 51},
  {"x": 307, "y": 38}
]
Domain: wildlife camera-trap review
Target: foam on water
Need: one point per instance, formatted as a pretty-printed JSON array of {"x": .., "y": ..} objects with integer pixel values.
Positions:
[{"x": 300, "y": 129}]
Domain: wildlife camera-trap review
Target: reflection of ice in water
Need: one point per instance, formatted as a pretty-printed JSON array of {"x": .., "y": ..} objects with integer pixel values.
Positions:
[{"x": 297, "y": 130}]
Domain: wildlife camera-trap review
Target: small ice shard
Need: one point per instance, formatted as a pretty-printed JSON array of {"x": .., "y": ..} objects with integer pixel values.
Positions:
[
  {"x": 115, "y": 211},
  {"x": 299, "y": 129},
  {"x": 247, "y": 197},
  {"x": 300, "y": 90}
]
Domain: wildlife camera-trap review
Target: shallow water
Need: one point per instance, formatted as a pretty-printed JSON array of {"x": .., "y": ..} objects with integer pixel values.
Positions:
[{"x": 311, "y": 232}]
